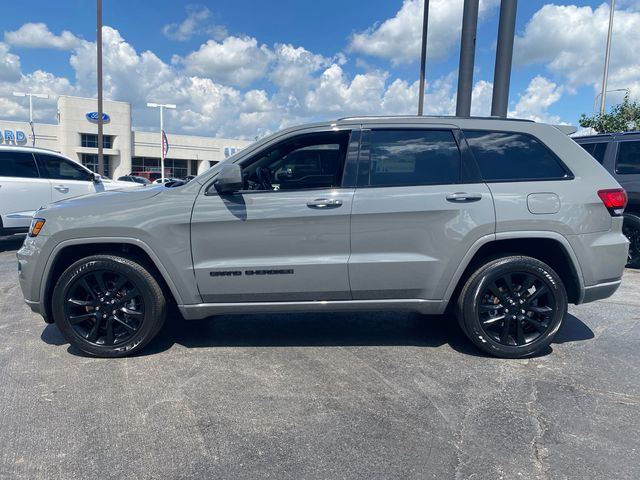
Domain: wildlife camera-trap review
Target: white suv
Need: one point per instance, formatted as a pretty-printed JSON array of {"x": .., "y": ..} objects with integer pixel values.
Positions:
[{"x": 32, "y": 177}]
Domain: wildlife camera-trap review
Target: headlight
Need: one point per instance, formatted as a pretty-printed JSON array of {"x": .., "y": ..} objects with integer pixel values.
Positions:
[{"x": 36, "y": 226}]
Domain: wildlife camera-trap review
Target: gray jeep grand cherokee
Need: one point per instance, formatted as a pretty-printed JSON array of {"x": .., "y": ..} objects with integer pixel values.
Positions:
[{"x": 504, "y": 221}]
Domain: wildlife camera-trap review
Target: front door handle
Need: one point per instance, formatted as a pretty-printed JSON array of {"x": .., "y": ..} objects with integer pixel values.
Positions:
[
  {"x": 61, "y": 188},
  {"x": 324, "y": 203},
  {"x": 463, "y": 197}
]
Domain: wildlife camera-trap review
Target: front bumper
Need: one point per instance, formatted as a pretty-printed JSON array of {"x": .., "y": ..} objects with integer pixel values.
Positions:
[{"x": 30, "y": 271}]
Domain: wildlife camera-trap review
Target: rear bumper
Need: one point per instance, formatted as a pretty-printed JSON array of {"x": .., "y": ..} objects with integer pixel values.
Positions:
[{"x": 600, "y": 291}]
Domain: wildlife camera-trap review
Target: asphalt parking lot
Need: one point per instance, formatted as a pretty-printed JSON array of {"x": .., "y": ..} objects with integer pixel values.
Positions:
[{"x": 367, "y": 396}]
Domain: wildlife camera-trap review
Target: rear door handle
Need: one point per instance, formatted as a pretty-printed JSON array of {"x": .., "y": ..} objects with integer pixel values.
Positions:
[
  {"x": 324, "y": 203},
  {"x": 61, "y": 188},
  {"x": 463, "y": 197}
]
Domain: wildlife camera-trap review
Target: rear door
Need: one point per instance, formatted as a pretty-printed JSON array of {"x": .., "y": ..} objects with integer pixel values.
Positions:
[
  {"x": 418, "y": 208},
  {"x": 66, "y": 177},
  {"x": 627, "y": 168},
  {"x": 22, "y": 191}
]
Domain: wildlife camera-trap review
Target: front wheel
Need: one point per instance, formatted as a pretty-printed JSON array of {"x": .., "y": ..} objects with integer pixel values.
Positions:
[
  {"x": 108, "y": 306},
  {"x": 631, "y": 230},
  {"x": 512, "y": 307}
]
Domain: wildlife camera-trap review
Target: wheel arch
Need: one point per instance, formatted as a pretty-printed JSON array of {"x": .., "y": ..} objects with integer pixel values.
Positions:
[
  {"x": 548, "y": 247},
  {"x": 68, "y": 252}
]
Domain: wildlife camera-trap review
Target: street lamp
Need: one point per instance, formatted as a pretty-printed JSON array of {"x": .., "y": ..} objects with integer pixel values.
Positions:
[
  {"x": 162, "y": 106},
  {"x": 31, "y": 95},
  {"x": 595, "y": 99}
]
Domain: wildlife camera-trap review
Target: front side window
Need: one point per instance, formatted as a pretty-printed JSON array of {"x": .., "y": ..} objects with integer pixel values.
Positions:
[
  {"x": 513, "y": 157},
  {"x": 413, "y": 157},
  {"x": 628, "y": 161},
  {"x": 305, "y": 162},
  {"x": 62, "y": 169},
  {"x": 596, "y": 150},
  {"x": 18, "y": 164}
]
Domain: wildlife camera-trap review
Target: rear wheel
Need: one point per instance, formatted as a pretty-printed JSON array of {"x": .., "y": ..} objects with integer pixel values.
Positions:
[
  {"x": 108, "y": 306},
  {"x": 512, "y": 307},
  {"x": 631, "y": 230}
]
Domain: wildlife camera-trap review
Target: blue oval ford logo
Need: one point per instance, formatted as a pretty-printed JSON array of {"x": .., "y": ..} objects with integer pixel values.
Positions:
[{"x": 93, "y": 117}]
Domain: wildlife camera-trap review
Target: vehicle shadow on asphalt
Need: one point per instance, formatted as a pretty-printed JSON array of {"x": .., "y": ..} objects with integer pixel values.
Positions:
[
  {"x": 321, "y": 330},
  {"x": 11, "y": 243}
]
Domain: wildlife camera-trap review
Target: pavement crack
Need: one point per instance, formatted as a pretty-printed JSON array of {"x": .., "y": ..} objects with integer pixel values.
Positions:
[{"x": 539, "y": 451}]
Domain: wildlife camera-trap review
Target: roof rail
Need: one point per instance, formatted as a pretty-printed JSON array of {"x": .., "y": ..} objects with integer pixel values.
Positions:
[{"x": 359, "y": 117}]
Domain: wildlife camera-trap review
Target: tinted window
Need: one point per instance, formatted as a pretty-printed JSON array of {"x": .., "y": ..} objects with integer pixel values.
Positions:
[
  {"x": 62, "y": 169},
  {"x": 91, "y": 140},
  {"x": 308, "y": 161},
  {"x": 504, "y": 156},
  {"x": 18, "y": 164},
  {"x": 413, "y": 157},
  {"x": 628, "y": 161},
  {"x": 597, "y": 150}
]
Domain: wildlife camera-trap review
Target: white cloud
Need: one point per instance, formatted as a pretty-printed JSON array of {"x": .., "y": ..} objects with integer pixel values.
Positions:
[
  {"x": 538, "y": 97},
  {"x": 570, "y": 42},
  {"x": 9, "y": 64},
  {"x": 194, "y": 24},
  {"x": 399, "y": 38},
  {"x": 235, "y": 60},
  {"x": 37, "y": 35}
]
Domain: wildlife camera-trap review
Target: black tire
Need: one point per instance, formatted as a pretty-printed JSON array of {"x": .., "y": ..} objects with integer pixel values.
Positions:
[
  {"x": 108, "y": 306},
  {"x": 523, "y": 315},
  {"x": 631, "y": 230}
]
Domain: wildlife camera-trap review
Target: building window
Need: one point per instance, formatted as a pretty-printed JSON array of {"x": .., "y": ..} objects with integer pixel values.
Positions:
[
  {"x": 90, "y": 140},
  {"x": 90, "y": 161},
  {"x": 229, "y": 151}
]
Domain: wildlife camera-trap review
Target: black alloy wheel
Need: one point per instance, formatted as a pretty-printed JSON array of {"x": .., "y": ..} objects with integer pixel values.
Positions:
[
  {"x": 108, "y": 306},
  {"x": 631, "y": 230},
  {"x": 516, "y": 308},
  {"x": 512, "y": 307},
  {"x": 104, "y": 308}
]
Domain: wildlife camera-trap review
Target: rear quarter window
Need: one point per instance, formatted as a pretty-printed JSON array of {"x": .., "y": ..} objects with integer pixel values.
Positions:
[
  {"x": 596, "y": 150},
  {"x": 514, "y": 157}
]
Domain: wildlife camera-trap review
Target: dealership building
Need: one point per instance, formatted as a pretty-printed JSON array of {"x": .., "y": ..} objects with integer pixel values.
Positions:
[{"x": 125, "y": 150}]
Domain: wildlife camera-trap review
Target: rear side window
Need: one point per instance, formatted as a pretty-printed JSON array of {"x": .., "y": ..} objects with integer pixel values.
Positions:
[
  {"x": 596, "y": 150},
  {"x": 628, "y": 161},
  {"x": 62, "y": 169},
  {"x": 413, "y": 157},
  {"x": 513, "y": 157},
  {"x": 18, "y": 164}
]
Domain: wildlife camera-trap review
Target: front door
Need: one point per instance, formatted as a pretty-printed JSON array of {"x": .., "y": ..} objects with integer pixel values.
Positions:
[
  {"x": 67, "y": 178},
  {"x": 416, "y": 212},
  {"x": 285, "y": 236}
]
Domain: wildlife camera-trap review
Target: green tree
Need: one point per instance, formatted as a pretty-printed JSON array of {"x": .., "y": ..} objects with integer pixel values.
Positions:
[{"x": 623, "y": 117}]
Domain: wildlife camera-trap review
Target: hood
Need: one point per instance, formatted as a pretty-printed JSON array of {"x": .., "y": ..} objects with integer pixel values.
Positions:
[
  {"x": 117, "y": 184},
  {"x": 108, "y": 199}
]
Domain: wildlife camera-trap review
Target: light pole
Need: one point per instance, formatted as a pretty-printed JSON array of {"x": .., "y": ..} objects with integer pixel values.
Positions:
[
  {"x": 31, "y": 95},
  {"x": 162, "y": 106},
  {"x": 423, "y": 56},
  {"x": 605, "y": 74}
]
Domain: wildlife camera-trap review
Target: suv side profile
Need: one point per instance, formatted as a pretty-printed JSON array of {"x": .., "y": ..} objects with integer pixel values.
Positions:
[
  {"x": 619, "y": 153},
  {"x": 32, "y": 177},
  {"x": 501, "y": 222}
]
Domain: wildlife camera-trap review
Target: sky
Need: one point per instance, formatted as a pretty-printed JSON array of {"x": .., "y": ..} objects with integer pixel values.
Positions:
[{"x": 241, "y": 69}]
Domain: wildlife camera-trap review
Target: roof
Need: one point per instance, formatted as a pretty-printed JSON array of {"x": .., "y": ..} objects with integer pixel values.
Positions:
[
  {"x": 606, "y": 135},
  {"x": 424, "y": 117},
  {"x": 27, "y": 148}
]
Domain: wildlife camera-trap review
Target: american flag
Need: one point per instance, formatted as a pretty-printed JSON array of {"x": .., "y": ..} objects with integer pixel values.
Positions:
[{"x": 165, "y": 144}]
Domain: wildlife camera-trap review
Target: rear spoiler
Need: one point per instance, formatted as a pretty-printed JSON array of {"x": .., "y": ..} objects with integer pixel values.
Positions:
[{"x": 567, "y": 129}]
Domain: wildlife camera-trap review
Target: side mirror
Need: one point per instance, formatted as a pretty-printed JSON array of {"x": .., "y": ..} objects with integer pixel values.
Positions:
[
  {"x": 96, "y": 178},
  {"x": 229, "y": 179}
]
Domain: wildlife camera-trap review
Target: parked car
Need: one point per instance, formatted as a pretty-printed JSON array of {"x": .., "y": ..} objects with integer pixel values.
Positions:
[
  {"x": 135, "y": 179},
  {"x": 32, "y": 177},
  {"x": 503, "y": 221},
  {"x": 152, "y": 175},
  {"x": 619, "y": 153}
]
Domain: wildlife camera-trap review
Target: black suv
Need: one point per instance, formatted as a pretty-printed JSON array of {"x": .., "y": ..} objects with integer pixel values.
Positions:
[{"x": 619, "y": 153}]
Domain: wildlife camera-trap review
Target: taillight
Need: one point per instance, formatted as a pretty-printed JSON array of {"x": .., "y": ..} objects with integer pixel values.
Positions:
[{"x": 614, "y": 199}]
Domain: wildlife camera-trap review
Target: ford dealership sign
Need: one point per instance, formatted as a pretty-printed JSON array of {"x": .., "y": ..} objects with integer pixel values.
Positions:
[{"x": 93, "y": 117}]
